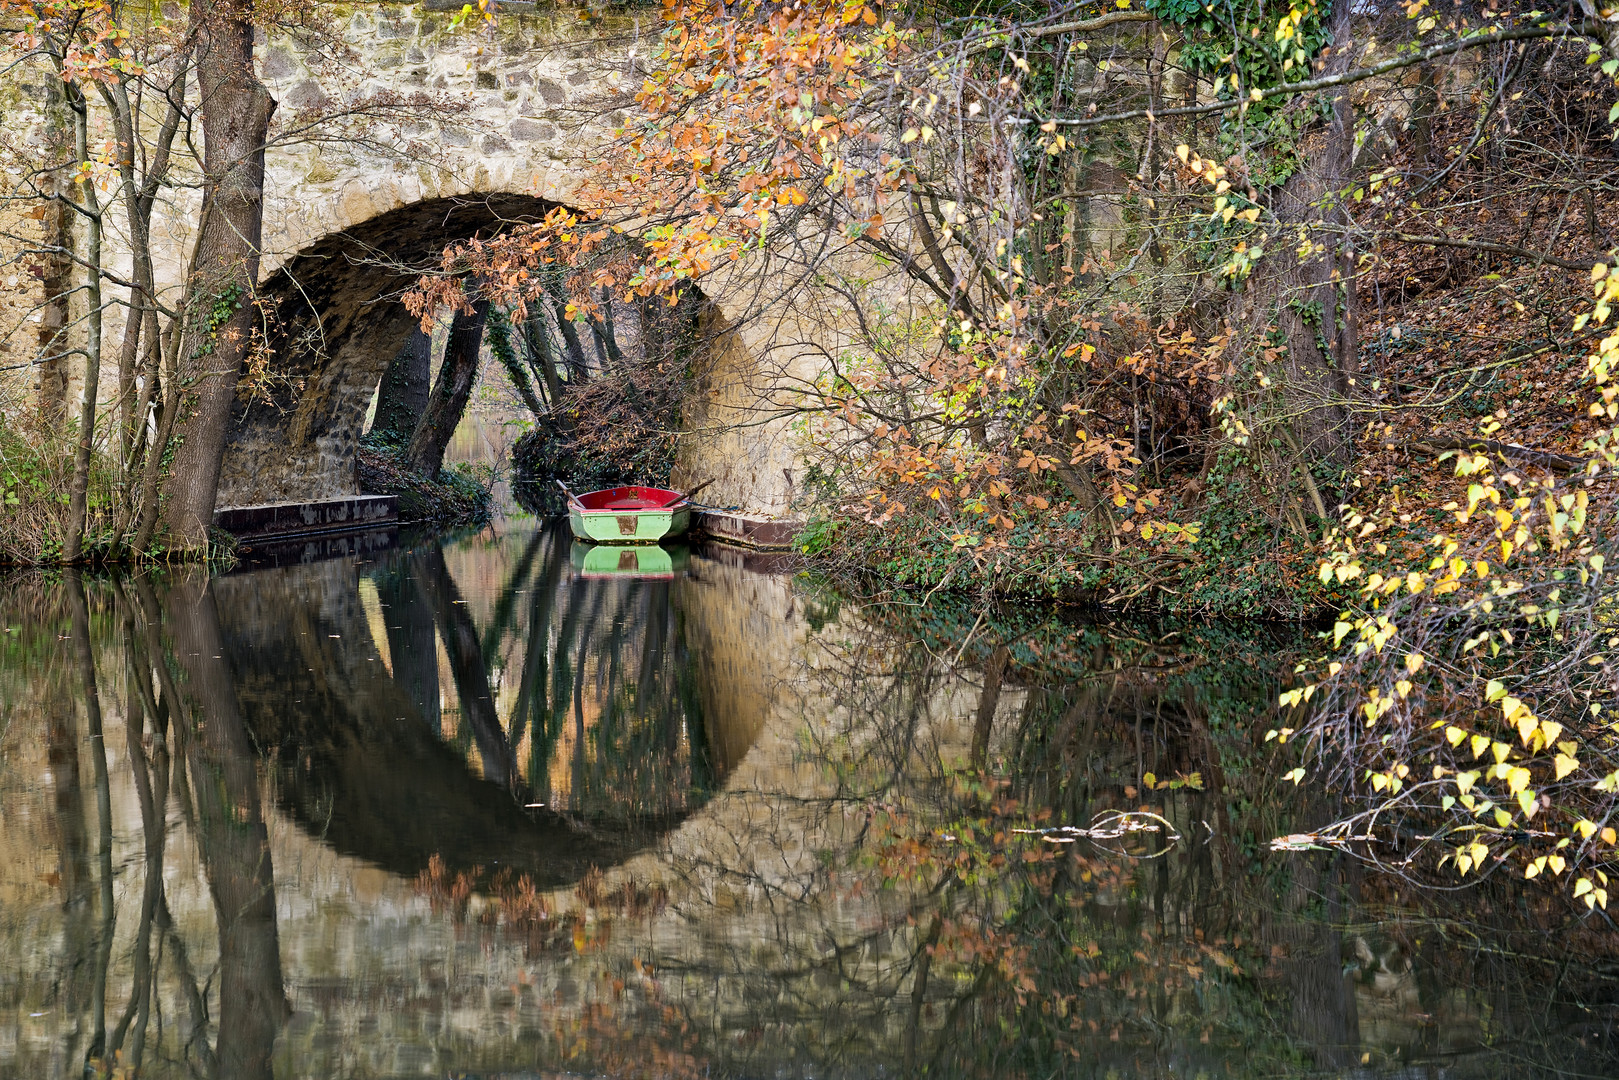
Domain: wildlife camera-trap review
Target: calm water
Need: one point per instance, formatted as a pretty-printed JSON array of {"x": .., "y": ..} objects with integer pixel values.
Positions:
[{"x": 483, "y": 807}]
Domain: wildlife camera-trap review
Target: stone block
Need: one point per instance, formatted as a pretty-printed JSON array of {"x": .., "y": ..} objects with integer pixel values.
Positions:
[
  {"x": 551, "y": 91},
  {"x": 357, "y": 205},
  {"x": 526, "y": 130},
  {"x": 276, "y": 63},
  {"x": 305, "y": 94}
]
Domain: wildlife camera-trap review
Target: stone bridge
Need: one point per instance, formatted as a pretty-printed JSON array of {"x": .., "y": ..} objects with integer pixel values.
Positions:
[{"x": 519, "y": 109}]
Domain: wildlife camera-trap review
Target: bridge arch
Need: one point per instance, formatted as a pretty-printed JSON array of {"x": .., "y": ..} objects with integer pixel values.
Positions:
[{"x": 337, "y": 322}]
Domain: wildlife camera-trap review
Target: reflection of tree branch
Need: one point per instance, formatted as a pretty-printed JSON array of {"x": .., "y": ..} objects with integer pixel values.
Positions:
[
  {"x": 85, "y": 660},
  {"x": 506, "y": 604},
  {"x": 530, "y": 709},
  {"x": 143, "y": 648},
  {"x": 151, "y": 789},
  {"x": 460, "y": 639},
  {"x": 72, "y": 843}
]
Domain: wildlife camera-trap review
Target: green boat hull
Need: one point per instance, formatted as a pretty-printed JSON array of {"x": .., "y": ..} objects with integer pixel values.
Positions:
[
  {"x": 619, "y": 560},
  {"x": 629, "y": 526}
]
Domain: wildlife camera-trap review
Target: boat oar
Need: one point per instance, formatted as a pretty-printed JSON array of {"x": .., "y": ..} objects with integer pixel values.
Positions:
[
  {"x": 679, "y": 495},
  {"x": 698, "y": 488},
  {"x": 572, "y": 498}
]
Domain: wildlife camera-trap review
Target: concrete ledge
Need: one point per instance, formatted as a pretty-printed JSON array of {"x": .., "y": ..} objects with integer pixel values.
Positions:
[
  {"x": 749, "y": 530},
  {"x": 290, "y": 520}
]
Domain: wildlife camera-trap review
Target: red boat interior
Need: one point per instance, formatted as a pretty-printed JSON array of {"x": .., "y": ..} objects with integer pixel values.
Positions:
[{"x": 619, "y": 499}]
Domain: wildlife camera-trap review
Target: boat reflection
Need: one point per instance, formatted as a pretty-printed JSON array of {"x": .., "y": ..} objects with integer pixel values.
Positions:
[{"x": 643, "y": 562}]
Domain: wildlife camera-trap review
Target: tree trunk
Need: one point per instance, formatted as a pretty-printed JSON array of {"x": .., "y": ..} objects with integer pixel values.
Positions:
[
  {"x": 503, "y": 346},
  {"x": 402, "y": 400},
  {"x": 79, "y": 491},
  {"x": 219, "y": 309},
  {"x": 1422, "y": 114},
  {"x": 573, "y": 349},
  {"x": 56, "y": 268},
  {"x": 450, "y": 392},
  {"x": 139, "y": 195},
  {"x": 1313, "y": 294},
  {"x": 537, "y": 337}
]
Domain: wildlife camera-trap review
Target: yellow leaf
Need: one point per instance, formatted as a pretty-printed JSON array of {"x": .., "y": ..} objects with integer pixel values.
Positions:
[
  {"x": 1527, "y": 727},
  {"x": 1454, "y": 735},
  {"x": 1413, "y": 662},
  {"x": 1465, "y": 781},
  {"x": 1586, "y": 829},
  {"x": 1517, "y": 780},
  {"x": 1480, "y": 743},
  {"x": 1565, "y": 765}
]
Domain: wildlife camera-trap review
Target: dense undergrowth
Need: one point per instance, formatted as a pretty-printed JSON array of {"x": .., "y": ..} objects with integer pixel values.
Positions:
[
  {"x": 1463, "y": 334},
  {"x": 461, "y": 494}
]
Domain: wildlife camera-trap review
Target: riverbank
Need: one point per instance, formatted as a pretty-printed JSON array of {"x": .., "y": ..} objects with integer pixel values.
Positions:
[{"x": 460, "y": 495}]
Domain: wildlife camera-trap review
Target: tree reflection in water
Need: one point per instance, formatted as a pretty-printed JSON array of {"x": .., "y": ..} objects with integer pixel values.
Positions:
[
  {"x": 865, "y": 891},
  {"x": 215, "y": 679},
  {"x": 1191, "y": 950}
]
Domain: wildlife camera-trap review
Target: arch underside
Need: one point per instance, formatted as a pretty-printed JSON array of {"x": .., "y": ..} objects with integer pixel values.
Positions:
[{"x": 295, "y": 430}]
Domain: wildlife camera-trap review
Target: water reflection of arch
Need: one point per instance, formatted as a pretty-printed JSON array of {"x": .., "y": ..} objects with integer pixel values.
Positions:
[{"x": 361, "y": 760}]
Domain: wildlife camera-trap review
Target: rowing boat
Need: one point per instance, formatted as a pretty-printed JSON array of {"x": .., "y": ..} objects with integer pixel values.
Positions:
[{"x": 628, "y": 515}]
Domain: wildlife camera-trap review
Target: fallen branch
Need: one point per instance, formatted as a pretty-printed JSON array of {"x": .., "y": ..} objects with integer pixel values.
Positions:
[
  {"x": 1503, "y": 249},
  {"x": 1512, "y": 454}
]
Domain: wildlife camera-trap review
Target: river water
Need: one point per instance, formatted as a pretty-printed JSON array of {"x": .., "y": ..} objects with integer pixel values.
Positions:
[{"x": 475, "y": 806}]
